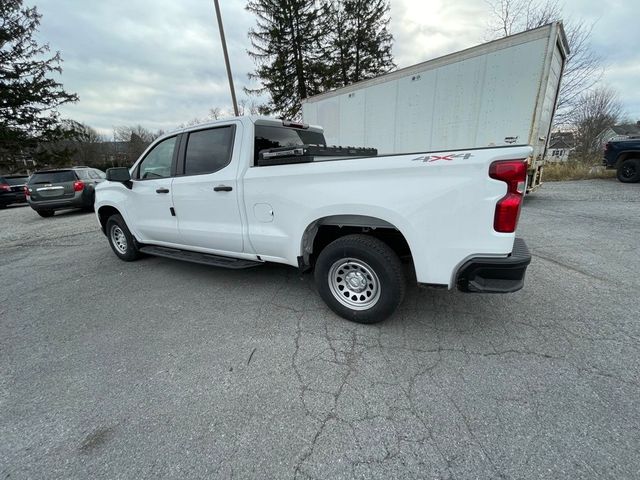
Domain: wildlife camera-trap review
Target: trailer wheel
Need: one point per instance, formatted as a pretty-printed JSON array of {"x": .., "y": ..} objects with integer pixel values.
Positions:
[
  {"x": 629, "y": 171},
  {"x": 360, "y": 278}
]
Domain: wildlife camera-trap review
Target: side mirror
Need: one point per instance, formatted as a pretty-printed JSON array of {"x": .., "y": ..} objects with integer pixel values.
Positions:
[
  {"x": 121, "y": 175},
  {"x": 118, "y": 174}
]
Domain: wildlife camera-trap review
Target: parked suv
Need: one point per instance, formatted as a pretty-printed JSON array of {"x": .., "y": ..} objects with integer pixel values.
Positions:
[
  {"x": 51, "y": 190},
  {"x": 12, "y": 189}
]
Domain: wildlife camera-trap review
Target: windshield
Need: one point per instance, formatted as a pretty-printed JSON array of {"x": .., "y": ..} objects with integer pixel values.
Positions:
[{"x": 52, "y": 177}]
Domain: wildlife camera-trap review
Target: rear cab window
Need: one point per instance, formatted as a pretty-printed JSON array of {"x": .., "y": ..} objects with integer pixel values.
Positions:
[
  {"x": 267, "y": 136},
  {"x": 52, "y": 177}
]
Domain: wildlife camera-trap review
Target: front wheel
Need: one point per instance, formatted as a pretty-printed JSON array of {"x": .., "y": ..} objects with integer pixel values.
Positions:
[
  {"x": 122, "y": 242},
  {"x": 360, "y": 278},
  {"x": 629, "y": 171}
]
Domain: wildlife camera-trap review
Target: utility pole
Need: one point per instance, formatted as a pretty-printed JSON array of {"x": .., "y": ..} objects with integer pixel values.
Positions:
[{"x": 226, "y": 58}]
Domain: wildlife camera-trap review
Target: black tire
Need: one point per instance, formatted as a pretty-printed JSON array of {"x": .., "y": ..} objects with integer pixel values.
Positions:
[
  {"x": 45, "y": 213},
  {"x": 90, "y": 205},
  {"x": 629, "y": 171},
  {"x": 366, "y": 259},
  {"x": 117, "y": 231},
  {"x": 3, "y": 206}
]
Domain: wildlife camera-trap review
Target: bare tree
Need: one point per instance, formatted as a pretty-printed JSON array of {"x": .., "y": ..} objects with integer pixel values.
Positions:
[
  {"x": 245, "y": 107},
  {"x": 88, "y": 145},
  {"x": 130, "y": 142},
  {"x": 216, "y": 113},
  {"x": 597, "y": 110},
  {"x": 583, "y": 69},
  {"x": 513, "y": 16}
]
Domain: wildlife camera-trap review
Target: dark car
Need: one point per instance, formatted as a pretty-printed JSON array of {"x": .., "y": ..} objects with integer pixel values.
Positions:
[
  {"x": 51, "y": 190},
  {"x": 624, "y": 156},
  {"x": 12, "y": 189}
]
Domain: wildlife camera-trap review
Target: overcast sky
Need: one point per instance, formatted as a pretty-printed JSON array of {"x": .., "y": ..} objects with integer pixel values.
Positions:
[{"x": 159, "y": 62}]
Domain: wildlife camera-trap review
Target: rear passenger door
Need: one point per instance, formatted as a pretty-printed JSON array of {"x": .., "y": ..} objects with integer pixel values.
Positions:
[{"x": 205, "y": 190}]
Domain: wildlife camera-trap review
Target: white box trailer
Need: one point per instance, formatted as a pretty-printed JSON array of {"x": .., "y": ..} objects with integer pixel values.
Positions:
[{"x": 500, "y": 93}]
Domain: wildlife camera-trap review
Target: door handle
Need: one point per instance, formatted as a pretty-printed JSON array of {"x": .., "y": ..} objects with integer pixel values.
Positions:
[
  {"x": 222, "y": 188},
  {"x": 162, "y": 190}
]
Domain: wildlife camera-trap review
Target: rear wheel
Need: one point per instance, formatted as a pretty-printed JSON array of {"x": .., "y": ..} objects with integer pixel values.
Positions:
[
  {"x": 360, "y": 278},
  {"x": 46, "y": 213},
  {"x": 122, "y": 242},
  {"x": 629, "y": 171}
]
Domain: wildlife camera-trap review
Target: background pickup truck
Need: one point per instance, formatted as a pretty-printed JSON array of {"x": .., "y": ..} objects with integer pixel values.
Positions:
[
  {"x": 206, "y": 194},
  {"x": 624, "y": 156}
]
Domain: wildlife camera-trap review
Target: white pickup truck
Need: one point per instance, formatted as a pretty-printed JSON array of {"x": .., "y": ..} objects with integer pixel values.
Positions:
[{"x": 207, "y": 194}]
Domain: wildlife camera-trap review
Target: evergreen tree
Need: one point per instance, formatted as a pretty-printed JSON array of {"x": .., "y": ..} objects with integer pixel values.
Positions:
[
  {"x": 305, "y": 47},
  {"x": 29, "y": 97},
  {"x": 359, "y": 42},
  {"x": 286, "y": 48}
]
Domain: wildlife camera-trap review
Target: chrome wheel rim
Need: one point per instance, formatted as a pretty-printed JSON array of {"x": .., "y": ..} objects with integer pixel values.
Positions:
[
  {"x": 118, "y": 239},
  {"x": 354, "y": 284}
]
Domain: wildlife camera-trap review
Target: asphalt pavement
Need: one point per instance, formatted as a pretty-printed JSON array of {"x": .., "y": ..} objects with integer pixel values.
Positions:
[{"x": 163, "y": 369}]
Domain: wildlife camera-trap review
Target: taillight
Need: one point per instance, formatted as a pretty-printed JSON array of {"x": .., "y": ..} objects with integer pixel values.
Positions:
[
  {"x": 78, "y": 186},
  {"x": 5, "y": 187},
  {"x": 514, "y": 174},
  {"x": 607, "y": 147},
  {"x": 27, "y": 192}
]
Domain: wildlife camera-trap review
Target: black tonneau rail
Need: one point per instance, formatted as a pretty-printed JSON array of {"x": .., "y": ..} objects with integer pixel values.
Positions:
[
  {"x": 321, "y": 153},
  {"x": 310, "y": 153}
]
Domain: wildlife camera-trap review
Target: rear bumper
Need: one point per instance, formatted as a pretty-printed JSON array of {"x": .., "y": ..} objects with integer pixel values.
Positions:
[
  {"x": 495, "y": 275},
  {"x": 12, "y": 197},
  {"x": 78, "y": 201}
]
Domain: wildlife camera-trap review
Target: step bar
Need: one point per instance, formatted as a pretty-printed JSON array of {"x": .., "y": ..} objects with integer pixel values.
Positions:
[{"x": 201, "y": 258}]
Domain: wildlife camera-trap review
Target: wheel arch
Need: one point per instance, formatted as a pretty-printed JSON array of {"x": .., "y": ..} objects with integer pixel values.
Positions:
[
  {"x": 626, "y": 155},
  {"x": 104, "y": 212},
  {"x": 322, "y": 231}
]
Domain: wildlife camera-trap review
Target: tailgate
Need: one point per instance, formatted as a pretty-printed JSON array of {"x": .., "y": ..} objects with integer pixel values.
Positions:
[{"x": 52, "y": 185}]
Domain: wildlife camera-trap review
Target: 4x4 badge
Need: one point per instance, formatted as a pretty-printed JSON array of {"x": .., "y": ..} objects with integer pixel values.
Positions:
[{"x": 435, "y": 158}]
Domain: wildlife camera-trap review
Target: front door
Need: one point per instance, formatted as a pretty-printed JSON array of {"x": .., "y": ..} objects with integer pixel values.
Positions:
[
  {"x": 150, "y": 202},
  {"x": 205, "y": 191}
]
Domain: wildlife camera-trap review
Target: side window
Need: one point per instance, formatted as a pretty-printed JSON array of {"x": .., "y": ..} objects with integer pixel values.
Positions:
[
  {"x": 157, "y": 163},
  {"x": 82, "y": 174},
  {"x": 208, "y": 150}
]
